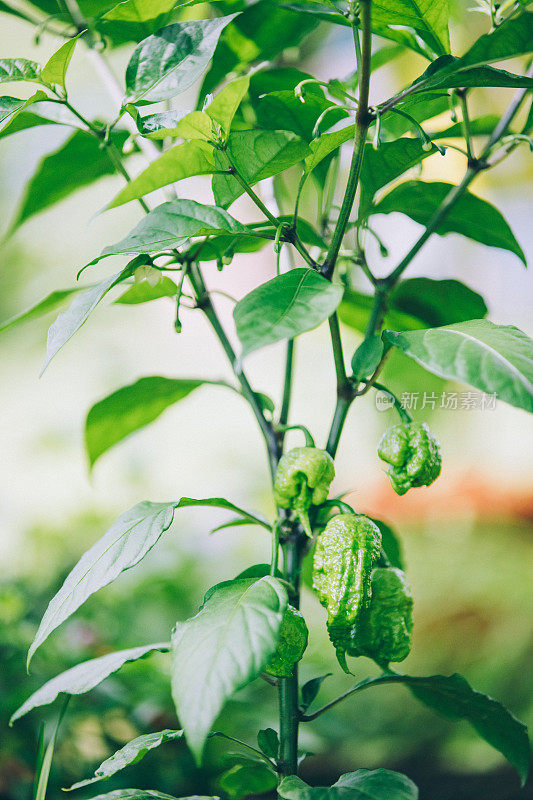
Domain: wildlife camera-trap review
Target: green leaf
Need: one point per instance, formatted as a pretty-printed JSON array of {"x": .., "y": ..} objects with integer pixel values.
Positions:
[
  {"x": 11, "y": 107},
  {"x": 453, "y": 697},
  {"x": 422, "y": 105},
  {"x": 171, "y": 225},
  {"x": 429, "y": 19},
  {"x": 42, "y": 113},
  {"x": 131, "y": 408},
  {"x": 71, "y": 320},
  {"x": 131, "y": 753},
  {"x": 262, "y": 31},
  {"x": 268, "y": 742},
  {"x": 221, "y": 502},
  {"x": 311, "y": 689},
  {"x": 169, "y": 61},
  {"x": 76, "y": 163},
  {"x": 143, "y": 794},
  {"x": 356, "y": 308},
  {"x": 140, "y": 10},
  {"x": 44, "y": 763},
  {"x": 326, "y": 144},
  {"x": 387, "y": 163},
  {"x": 55, "y": 69},
  {"x": 180, "y": 161},
  {"x": 284, "y": 307},
  {"x": 482, "y": 126},
  {"x": 367, "y": 357},
  {"x": 248, "y": 778},
  {"x": 256, "y": 155},
  {"x": 438, "y": 302},
  {"x": 51, "y": 302},
  {"x": 378, "y": 784},
  {"x": 142, "y": 292},
  {"x": 496, "y": 359},
  {"x": 390, "y": 543},
  {"x": 470, "y": 216},
  {"x": 514, "y": 37},
  {"x": 455, "y": 77},
  {"x": 198, "y": 124},
  {"x": 123, "y": 545},
  {"x": 19, "y": 69},
  {"x": 84, "y": 677},
  {"x": 224, "y": 105},
  {"x": 223, "y": 648}
]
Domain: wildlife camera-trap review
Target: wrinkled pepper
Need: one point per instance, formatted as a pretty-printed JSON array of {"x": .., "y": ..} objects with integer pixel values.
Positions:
[
  {"x": 413, "y": 454},
  {"x": 344, "y": 557},
  {"x": 303, "y": 479},
  {"x": 382, "y": 630},
  {"x": 293, "y": 637}
]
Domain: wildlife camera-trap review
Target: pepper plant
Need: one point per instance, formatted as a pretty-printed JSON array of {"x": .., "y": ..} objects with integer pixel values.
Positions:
[{"x": 265, "y": 129}]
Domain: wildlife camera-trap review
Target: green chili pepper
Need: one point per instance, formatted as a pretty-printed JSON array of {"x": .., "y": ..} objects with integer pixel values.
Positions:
[
  {"x": 344, "y": 557},
  {"x": 293, "y": 636},
  {"x": 413, "y": 453},
  {"x": 383, "y": 630},
  {"x": 303, "y": 478}
]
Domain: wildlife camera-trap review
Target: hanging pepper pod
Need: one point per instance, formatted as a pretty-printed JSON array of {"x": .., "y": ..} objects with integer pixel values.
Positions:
[
  {"x": 413, "y": 453},
  {"x": 383, "y": 630},
  {"x": 293, "y": 637},
  {"x": 303, "y": 479},
  {"x": 345, "y": 554}
]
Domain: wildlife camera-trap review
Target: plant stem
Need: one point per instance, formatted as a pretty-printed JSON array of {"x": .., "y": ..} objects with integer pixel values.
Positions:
[
  {"x": 291, "y": 235},
  {"x": 338, "y": 355},
  {"x": 449, "y": 201},
  {"x": 204, "y": 302},
  {"x": 465, "y": 122},
  {"x": 339, "y": 418},
  {"x": 289, "y": 715},
  {"x": 287, "y": 383},
  {"x": 362, "y": 122}
]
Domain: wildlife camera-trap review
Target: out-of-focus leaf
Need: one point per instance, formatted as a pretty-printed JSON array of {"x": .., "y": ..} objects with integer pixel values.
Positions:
[
  {"x": 130, "y": 408},
  {"x": 19, "y": 69},
  {"x": 71, "y": 320},
  {"x": 259, "y": 33},
  {"x": 143, "y": 293},
  {"x": 131, "y": 753},
  {"x": 123, "y": 545},
  {"x": 470, "y": 216},
  {"x": 453, "y": 697},
  {"x": 387, "y": 163},
  {"x": 84, "y": 677},
  {"x": 11, "y": 107},
  {"x": 438, "y": 302},
  {"x": 169, "y": 61},
  {"x": 51, "y": 302},
  {"x": 497, "y": 359},
  {"x": 76, "y": 163}
]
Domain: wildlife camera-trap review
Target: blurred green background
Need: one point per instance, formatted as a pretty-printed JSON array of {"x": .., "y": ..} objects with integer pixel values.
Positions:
[{"x": 468, "y": 540}]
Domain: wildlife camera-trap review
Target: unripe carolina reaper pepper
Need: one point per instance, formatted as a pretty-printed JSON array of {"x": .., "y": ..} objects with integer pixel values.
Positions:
[
  {"x": 413, "y": 453},
  {"x": 344, "y": 557},
  {"x": 293, "y": 636},
  {"x": 382, "y": 630},
  {"x": 303, "y": 478}
]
